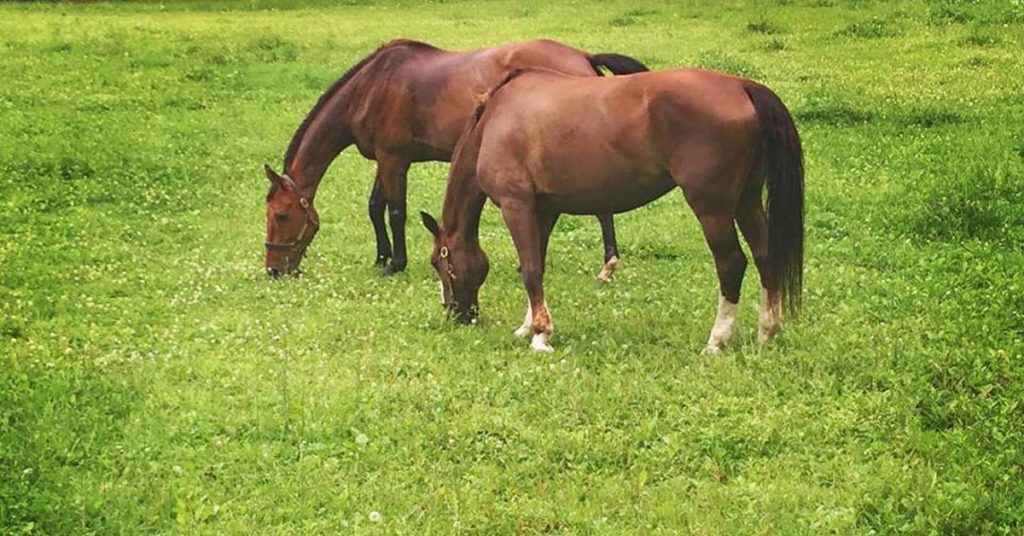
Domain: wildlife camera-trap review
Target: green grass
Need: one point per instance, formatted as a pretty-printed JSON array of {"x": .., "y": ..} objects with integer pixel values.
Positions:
[{"x": 152, "y": 380}]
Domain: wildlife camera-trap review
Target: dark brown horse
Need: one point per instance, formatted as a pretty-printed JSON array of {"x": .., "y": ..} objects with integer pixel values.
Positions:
[
  {"x": 407, "y": 102},
  {"x": 546, "y": 144}
]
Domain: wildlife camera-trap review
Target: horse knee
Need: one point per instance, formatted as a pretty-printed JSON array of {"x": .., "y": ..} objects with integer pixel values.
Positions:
[
  {"x": 396, "y": 217},
  {"x": 375, "y": 207}
]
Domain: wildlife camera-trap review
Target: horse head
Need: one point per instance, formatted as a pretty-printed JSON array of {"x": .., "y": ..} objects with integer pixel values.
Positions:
[
  {"x": 462, "y": 268},
  {"x": 291, "y": 224}
]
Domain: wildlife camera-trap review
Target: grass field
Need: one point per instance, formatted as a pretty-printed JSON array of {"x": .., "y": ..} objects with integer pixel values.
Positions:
[{"x": 153, "y": 380}]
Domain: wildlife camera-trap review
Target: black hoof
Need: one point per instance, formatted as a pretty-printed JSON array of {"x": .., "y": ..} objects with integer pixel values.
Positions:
[
  {"x": 382, "y": 261},
  {"x": 391, "y": 269}
]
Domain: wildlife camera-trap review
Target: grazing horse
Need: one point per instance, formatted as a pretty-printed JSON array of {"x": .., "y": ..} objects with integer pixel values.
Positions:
[
  {"x": 407, "y": 102},
  {"x": 544, "y": 144}
]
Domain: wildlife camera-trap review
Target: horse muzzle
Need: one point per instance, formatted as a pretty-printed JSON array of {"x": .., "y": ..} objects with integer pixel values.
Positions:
[
  {"x": 276, "y": 272},
  {"x": 468, "y": 316}
]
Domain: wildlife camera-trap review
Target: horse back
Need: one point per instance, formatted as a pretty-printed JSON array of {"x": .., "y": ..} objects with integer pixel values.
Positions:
[
  {"x": 576, "y": 138},
  {"x": 415, "y": 100}
]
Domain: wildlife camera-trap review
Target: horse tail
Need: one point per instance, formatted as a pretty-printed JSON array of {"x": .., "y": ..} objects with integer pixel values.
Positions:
[
  {"x": 616, "y": 63},
  {"x": 783, "y": 168}
]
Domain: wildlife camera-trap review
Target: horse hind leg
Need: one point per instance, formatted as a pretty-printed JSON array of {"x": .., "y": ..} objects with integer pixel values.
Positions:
[
  {"x": 611, "y": 248},
  {"x": 730, "y": 264},
  {"x": 754, "y": 224},
  {"x": 713, "y": 186}
]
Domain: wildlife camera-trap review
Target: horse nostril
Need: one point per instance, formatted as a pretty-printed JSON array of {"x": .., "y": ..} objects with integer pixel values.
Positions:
[{"x": 273, "y": 272}]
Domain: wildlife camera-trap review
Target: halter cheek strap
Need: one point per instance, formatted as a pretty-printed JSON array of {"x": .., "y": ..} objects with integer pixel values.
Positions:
[{"x": 302, "y": 241}]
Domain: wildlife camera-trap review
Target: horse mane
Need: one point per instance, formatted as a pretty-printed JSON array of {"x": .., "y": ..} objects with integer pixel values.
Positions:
[
  {"x": 293, "y": 147},
  {"x": 466, "y": 140}
]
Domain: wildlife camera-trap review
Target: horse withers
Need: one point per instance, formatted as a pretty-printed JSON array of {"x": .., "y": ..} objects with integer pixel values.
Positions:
[
  {"x": 545, "y": 144},
  {"x": 406, "y": 102}
]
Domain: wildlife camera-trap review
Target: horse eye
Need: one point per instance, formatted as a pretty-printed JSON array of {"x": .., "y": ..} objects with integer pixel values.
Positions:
[{"x": 281, "y": 217}]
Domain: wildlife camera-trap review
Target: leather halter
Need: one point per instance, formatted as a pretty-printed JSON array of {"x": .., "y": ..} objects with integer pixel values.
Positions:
[{"x": 300, "y": 243}]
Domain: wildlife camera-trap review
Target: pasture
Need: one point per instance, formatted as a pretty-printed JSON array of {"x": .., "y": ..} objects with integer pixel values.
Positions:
[{"x": 153, "y": 380}]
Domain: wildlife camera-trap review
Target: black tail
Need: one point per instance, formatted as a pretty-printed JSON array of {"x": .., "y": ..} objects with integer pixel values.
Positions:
[
  {"x": 783, "y": 167},
  {"x": 616, "y": 63}
]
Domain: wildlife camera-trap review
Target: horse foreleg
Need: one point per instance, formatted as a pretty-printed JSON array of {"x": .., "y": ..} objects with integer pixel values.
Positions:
[
  {"x": 545, "y": 224},
  {"x": 375, "y": 209},
  {"x": 526, "y": 327},
  {"x": 391, "y": 171},
  {"x": 522, "y": 221},
  {"x": 611, "y": 248}
]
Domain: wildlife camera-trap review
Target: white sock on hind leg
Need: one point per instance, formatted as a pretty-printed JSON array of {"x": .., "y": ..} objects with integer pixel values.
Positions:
[
  {"x": 768, "y": 318},
  {"x": 725, "y": 325}
]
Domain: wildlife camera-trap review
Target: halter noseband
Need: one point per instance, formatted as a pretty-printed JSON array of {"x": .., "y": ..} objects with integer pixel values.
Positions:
[{"x": 300, "y": 243}]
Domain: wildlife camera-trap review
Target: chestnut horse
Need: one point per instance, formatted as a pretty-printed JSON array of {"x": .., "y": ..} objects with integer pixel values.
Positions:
[
  {"x": 407, "y": 102},
  {"x": 544, "y": 144}
]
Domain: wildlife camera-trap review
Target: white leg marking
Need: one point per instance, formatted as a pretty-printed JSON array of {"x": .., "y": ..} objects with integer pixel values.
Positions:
[
  {"x": 541, "y": 342},
  {"x": 440, "y": 284},
  {"x": 768, "y": 318},
  {"x": 525, "y": 328},
  {"x": 725, "y": 324},
  {"x": 608, "y": 270}
]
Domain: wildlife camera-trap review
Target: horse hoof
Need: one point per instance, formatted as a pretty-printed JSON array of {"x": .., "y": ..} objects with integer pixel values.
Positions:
[
  {"x": 711, "y": 350},
  {"x": 540, "y": 343},
  {"x": 608, "y": 270},
  {"x": 521, "y": 331},
  {"x": 765, "y": 334},
  {"x": 391, "y": 269}
]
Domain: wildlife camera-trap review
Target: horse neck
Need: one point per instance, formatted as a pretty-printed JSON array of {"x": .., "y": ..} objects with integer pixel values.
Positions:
[
  {"x": 463, "y": 206},
  {"x": 320, "y": 143}
]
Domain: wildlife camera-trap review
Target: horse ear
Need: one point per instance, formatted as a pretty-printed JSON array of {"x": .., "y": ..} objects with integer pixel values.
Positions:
[
  {"x": 431, "y": 224},
  {"x": 272, "y": 175}
]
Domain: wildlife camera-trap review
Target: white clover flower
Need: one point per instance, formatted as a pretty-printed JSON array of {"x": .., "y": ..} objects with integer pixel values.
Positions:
[{"x": 375, "y": 517}]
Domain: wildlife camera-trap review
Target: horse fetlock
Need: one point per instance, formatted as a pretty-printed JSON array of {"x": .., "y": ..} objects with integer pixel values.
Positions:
[
  {"x": 607, "y": 272},
  {"x": 725, "y": 325},
  {"x": 769, "y": 318},
  {"x": 542, "y": 322}
]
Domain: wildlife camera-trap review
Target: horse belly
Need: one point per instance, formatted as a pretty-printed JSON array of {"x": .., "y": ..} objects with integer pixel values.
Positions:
[{"x": 609, "y": 195}]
